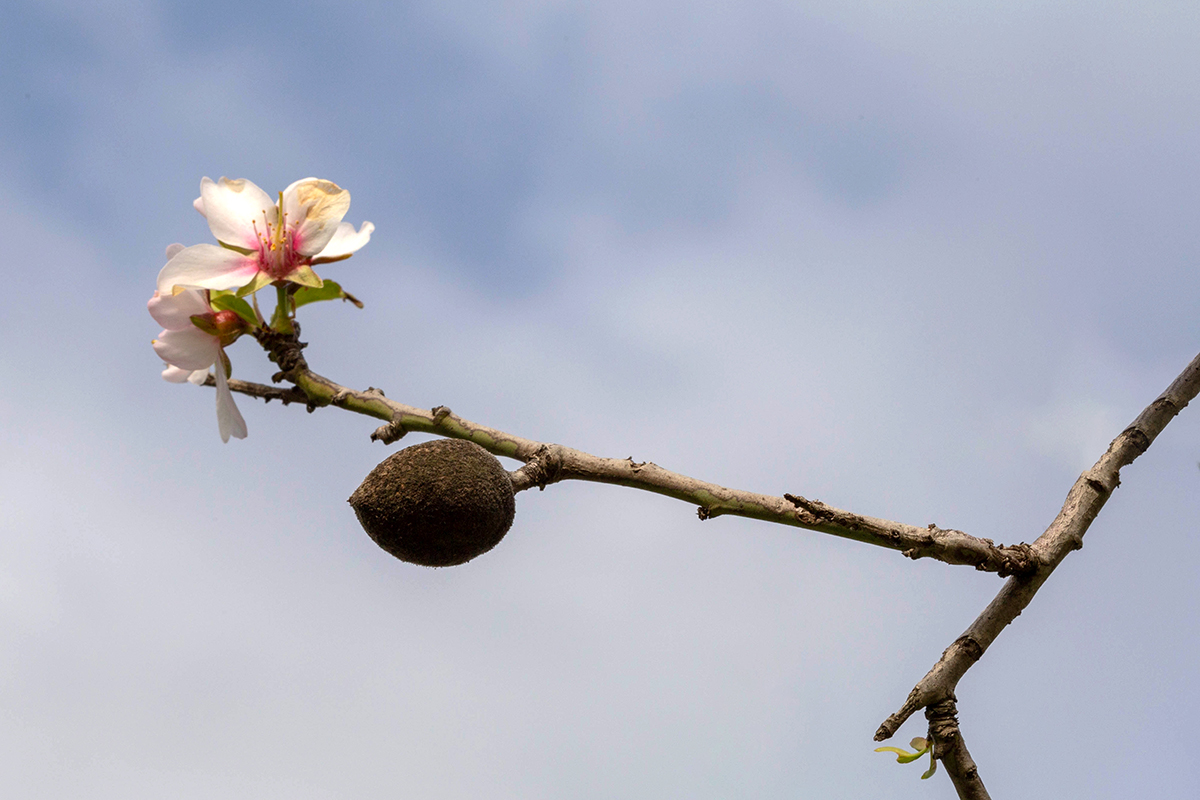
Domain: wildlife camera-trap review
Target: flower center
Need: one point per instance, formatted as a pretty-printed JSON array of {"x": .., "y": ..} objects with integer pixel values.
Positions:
[{"x": 276, "y": 253}]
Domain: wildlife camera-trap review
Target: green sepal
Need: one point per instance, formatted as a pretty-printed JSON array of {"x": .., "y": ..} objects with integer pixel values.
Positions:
[
  {"x": 259, "y": 280},
  {"x": 228, "y": 301},
  {"x": 225, "y": 364},
  {"x": 329, "y": 291},
  {"x": 205, "y": 323},
  {"x": 305, "y": 276}
]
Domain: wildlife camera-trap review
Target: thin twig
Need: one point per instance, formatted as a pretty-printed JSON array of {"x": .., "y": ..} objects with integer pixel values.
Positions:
[{"x": 287, "y": 395}]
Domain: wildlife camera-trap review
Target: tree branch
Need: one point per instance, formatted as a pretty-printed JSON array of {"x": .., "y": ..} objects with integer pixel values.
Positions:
[
  {"x": 949, "y": 747},
  {"x": 1084, "y": 501},
  {"x": 286, "y": 395},
  {"x": 1027, "y": 566},
  {"x": 546, "y": 464}
]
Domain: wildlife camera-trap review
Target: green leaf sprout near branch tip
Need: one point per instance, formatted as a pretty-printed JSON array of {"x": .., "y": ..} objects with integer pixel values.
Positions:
[
  {"x": 922, "y": 746},
  {"x": 330, "y": 290}
]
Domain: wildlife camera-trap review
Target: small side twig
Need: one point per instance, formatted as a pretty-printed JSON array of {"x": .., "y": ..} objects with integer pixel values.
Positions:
[{"x": 284, "y": 394}]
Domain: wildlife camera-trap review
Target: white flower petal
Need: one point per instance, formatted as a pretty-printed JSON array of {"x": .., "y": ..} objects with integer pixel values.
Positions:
[
  {"x": 229, "y": 419},
  {"x": 198, "y": 377},
  {"x": 314, "y": 208},
  {"x": 207, "y": 266},
  {"x": 175, "y": 311},
  {"x": 234, "y": 208},
  {"x": 188, "y": 349},
  {"x": 198, "y": 204},
  {"x": 173, "y": 250},
  {"x": 175, "y": 374},
  {"x": 345, "y": 242}
]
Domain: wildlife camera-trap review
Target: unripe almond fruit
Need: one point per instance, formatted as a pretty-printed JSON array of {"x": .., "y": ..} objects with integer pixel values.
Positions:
[{"x": 436, "y": 504}]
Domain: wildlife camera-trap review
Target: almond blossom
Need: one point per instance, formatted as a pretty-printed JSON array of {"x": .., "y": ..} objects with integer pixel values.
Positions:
[
  {"x": 193, "y": 340},
  {"x": 265, "y": 241}
]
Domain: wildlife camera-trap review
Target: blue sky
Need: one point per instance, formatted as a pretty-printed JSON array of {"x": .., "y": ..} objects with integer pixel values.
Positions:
[{"x": 922, "y": 261}]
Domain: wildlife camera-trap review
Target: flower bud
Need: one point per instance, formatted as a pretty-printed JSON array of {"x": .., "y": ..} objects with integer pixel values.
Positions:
[{"x": 227, "y": 326}]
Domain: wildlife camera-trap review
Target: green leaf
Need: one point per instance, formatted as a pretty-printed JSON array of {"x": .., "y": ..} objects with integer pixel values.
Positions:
[
  {"x": 228, "y": 301},
  {"x": 933, "y": 762},
  {"x": 329, "y": 291},
  {"x": 902, "y": 756}
]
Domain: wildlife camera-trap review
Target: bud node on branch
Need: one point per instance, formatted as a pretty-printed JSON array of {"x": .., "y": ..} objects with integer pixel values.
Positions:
[{"x": 392, "y": 432}]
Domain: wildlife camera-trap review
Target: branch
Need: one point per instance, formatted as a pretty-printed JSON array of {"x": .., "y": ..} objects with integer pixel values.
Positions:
[
  {"x": 286, "y": 395},
  {"x": 948, "y": 745},
  {"x": 546, "y": 464},
  {"x": 1084, "y": 501}
]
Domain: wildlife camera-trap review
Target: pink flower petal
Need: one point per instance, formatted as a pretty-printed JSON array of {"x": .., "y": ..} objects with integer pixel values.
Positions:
[{"x": 207, "y": 266}]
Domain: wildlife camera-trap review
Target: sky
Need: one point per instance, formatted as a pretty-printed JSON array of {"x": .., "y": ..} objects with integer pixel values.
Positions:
[{"x": 922, "y": 261}]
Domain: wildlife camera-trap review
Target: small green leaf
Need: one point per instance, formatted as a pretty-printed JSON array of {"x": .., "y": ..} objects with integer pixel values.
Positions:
[
  {"x": 228, "y": 301},
  {"x": 902, "y": 756},
  {"x": 918, "y": 743},
  {"x": 932, "y": 767},
  {"x": 329, "y": 291}
]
